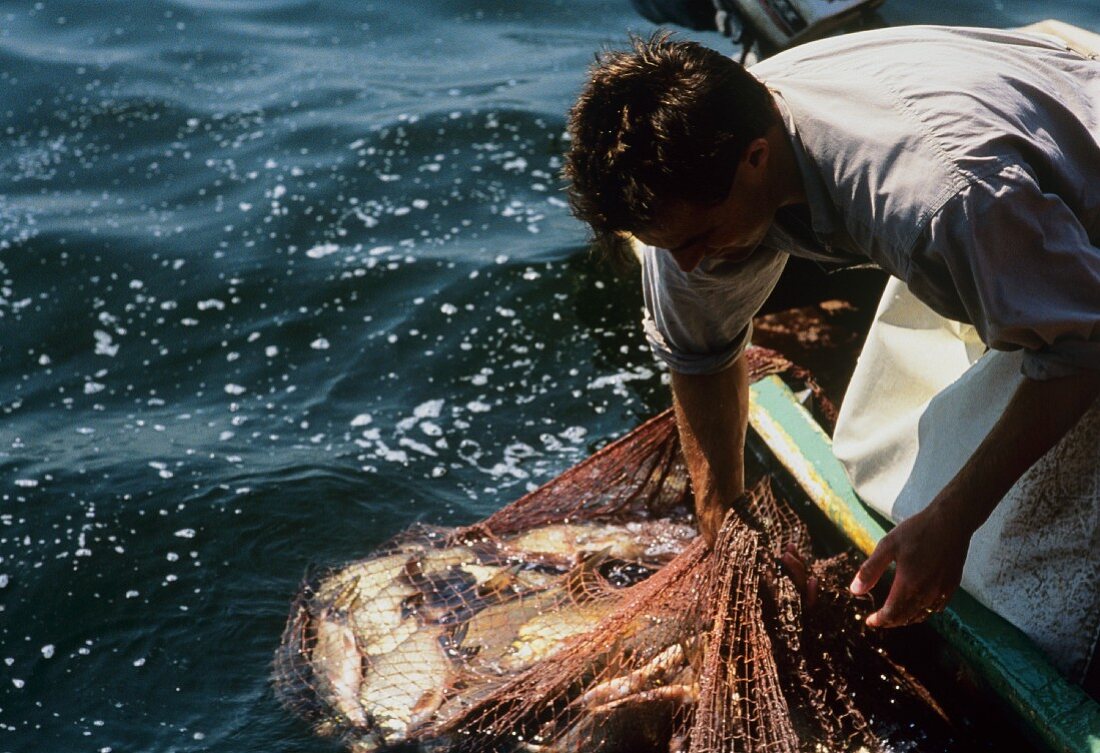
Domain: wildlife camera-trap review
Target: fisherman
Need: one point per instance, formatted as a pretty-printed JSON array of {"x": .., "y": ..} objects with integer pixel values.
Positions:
[{"x": 964, "y": 162}]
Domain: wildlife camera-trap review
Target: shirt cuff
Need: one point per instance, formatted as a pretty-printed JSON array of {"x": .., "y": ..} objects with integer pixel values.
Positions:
[
  {"x": 1062, "y": 359},
  {"x": 696, "y": 364}
]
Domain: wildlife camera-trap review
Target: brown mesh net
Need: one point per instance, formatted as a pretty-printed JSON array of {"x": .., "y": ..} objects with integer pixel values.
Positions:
[{"x": 587, "y": 616}]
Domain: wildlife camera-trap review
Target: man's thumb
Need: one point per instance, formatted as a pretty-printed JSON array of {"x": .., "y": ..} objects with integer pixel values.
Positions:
[{"x": 873, "y": 568}]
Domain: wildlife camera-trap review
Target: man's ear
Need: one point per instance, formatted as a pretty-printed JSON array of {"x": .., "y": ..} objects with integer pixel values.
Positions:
[{"x": 757, "y": 153}]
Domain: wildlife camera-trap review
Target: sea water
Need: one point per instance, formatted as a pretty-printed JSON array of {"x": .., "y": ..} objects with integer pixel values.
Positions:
[{"x": 278, "y": 279}]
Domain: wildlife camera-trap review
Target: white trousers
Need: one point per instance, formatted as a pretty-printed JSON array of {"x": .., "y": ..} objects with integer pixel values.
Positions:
[{"x": 925, "y": 393}]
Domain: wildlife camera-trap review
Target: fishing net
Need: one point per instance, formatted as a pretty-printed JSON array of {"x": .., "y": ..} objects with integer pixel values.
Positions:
[{"x": 588, "y": 616}]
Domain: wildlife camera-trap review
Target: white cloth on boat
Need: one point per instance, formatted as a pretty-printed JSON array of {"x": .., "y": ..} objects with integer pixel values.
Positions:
[{"x": 925, "y": 393}]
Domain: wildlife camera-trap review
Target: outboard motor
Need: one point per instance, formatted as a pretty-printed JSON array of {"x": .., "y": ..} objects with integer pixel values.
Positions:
[{"x": 767, "y": 25}]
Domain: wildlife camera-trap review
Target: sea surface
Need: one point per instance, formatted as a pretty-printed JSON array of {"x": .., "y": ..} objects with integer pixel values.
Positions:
[{"x": 277, "y": 279}]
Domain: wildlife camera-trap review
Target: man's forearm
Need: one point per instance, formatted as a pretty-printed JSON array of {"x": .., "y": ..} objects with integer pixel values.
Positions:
[
  {"x": 712, "y": 414},
  {"x": 1036, "y": 418}
]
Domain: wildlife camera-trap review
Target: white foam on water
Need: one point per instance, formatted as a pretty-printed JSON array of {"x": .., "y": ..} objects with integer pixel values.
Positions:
[
  {"x": 393, "y": 456},
  {"x": 420, "y": 447},
  {"x": 429, "y": 409},
  {"x": 574, "y": 434},
  {"x": 104, "y": 345},
  {"x": 321, "y": 250},
  {"x": 620, "y": 378},
  {"x": 506, "y": 469}
]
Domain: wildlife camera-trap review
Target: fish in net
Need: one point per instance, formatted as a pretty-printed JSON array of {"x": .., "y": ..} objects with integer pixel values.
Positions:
[{"x": 588, "y": 616}]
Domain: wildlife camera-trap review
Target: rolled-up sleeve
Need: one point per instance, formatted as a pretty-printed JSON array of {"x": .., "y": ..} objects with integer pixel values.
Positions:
[
  {"x": 700, "y": 322},
  {"x": 1019, "y": 265}
]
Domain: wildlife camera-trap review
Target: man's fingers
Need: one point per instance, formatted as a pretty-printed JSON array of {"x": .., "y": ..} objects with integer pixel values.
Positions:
[
  {"x": 800, "y": 575},
  {"x": 871, "y": 570},
  {"x": 884, "y": 618},
  {"x": 899, "y": 616},
  {"x": 897, "y": 610},
  {"x": 908, "y": 602},
  {"x": 795, "y": 567}
]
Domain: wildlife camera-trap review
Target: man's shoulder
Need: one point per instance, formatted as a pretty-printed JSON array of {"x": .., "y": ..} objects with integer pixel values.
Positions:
[
  {"x": 877, "y": 48},
  {"x": 939, "y": 77},
  {"x": 897, "y": 121},
  {"x": 956, "y": 86}
]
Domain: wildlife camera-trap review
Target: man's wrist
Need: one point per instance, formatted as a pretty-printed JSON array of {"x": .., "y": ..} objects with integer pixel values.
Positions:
[
  {"x": 961, "y": 506},
  {"x": 723, "y": 495}
]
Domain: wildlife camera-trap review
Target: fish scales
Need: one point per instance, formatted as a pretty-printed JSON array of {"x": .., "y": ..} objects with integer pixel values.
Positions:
[{"x": 424, "y": 631}]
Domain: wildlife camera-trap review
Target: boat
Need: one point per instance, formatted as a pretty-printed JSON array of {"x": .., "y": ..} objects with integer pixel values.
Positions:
[{"x": 1056, "y": 715}]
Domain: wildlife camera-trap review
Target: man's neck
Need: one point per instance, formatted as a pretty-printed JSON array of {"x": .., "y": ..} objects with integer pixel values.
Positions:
[{"x": 788, "y": 185}]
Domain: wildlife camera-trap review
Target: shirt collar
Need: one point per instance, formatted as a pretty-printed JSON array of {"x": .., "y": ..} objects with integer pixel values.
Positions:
[{"x": 822, "y": 212}]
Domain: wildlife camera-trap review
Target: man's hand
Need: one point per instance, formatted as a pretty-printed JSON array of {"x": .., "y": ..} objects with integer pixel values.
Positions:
[
  {"x": 929, "y": 549},
  {"x": 799, "y": 573}
]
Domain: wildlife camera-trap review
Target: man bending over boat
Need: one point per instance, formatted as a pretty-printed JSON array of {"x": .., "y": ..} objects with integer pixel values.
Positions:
[{"x": 964, "y": 162}]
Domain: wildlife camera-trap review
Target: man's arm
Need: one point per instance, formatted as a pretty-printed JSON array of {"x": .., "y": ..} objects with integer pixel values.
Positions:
[
  {"x": 712, "y": 414},
  {"x": 930, "y": 547}
]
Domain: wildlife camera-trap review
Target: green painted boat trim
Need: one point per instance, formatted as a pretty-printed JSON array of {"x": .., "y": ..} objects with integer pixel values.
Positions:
[{"x": 1061, "y": 716}]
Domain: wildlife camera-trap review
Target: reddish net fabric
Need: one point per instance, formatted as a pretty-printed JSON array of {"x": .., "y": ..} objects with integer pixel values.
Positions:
[{"x": 587, "y": 616}]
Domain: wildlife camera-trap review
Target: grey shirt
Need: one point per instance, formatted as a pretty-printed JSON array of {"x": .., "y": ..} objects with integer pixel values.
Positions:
[{"x": 963, "y": 161}]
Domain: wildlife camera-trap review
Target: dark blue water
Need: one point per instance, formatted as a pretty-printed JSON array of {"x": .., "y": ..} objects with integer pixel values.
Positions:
[{"x": 276, "y": 280}]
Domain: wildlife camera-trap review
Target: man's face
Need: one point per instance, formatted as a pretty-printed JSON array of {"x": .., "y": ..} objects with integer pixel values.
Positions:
[{"x": 731, "y": 229}]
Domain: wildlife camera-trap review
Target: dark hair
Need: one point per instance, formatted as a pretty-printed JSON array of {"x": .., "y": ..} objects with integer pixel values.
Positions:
[{"x": 666, "y": 120}]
